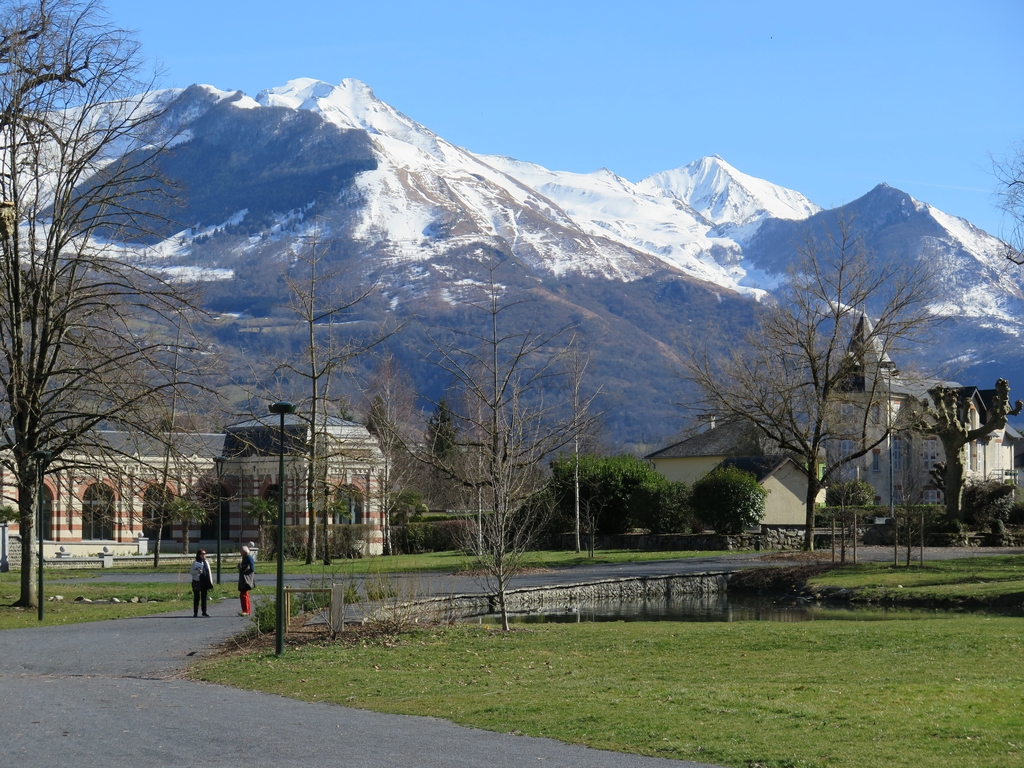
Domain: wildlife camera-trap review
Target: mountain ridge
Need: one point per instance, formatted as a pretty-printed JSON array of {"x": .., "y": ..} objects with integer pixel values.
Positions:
[{"x": 647, "y": 264}]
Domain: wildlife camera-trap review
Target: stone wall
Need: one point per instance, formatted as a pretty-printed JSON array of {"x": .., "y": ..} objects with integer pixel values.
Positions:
[
  {"x": 608, "y": 590},
  {"x": 13, "y": 552},
  {"x": 769, "y": 538}
]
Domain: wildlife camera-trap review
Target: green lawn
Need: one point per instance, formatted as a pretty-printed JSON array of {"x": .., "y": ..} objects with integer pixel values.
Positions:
[
  {"x": 984, "y": 578},
  {"x": 171, "y": 597},
  {"x": 432, "y": 562},
  {"x": 926, "y": 692}
]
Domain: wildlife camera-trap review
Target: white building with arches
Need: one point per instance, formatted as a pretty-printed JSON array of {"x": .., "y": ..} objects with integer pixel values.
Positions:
[{"x": 112, "y": 497}]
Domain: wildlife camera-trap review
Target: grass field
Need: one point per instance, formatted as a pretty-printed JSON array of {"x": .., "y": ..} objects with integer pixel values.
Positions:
[
  {"x": 924, "y": 692},
  {"x": 432, "y": 562},
  {"x": 998, "y": 578},
  {"x": 171, "y": 597},
  {"x": 912, "y": 690}
]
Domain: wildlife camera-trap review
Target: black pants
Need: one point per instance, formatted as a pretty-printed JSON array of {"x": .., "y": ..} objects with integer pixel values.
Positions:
[{"x": 198, "y": 595}]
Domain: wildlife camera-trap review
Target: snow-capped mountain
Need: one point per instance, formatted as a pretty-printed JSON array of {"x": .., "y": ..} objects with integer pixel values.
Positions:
[
  {"x": 640, "y": 264},
  {"x": 694, "y": 219}
]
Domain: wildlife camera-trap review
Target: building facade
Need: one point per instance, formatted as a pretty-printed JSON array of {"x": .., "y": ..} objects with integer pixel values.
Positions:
[{"x": 116, "y": 497}]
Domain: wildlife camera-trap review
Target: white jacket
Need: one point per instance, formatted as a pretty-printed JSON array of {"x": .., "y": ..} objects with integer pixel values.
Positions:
[{"x": 198, "y": 566}]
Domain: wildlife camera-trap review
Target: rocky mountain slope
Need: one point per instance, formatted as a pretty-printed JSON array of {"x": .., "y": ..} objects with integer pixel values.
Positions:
[{"x": 641, "y": 267}]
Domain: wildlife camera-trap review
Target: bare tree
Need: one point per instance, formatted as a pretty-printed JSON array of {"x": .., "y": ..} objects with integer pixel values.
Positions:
[
  {"x": 1010, "y": 193},
  {"x": 504, "y": 375},
  {"x": 815, "y": 354},
  {"x": 947, "y": 418},
  {"x": 80, "y": 325},
  {"x": 389, "y": 418},
  {"x": 319, "y": 304},
  {"x": 581, "y": 403}
]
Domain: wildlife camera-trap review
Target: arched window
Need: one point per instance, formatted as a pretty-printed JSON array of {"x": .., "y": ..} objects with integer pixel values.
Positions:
[
  {"x": 348, "y": 505},
  {"x": 98, "y": 512},
  {"x": 212, "y": 500},
  {"x": 155, "y": 518}
]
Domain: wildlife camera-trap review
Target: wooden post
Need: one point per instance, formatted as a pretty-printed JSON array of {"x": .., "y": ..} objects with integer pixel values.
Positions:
[
  {"x": 337, "y": 612},
  {"x": 287, "y": 610},
  {"x": 855, "y": 537},
  {"x": 922, "y": 538}
]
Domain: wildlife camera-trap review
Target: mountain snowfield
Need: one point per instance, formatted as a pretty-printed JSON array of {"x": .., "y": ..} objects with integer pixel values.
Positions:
[
  {"x": 643, "y": 269},
  {"x": 694, "y": 219},
  {"x": 428, "y": 196}
]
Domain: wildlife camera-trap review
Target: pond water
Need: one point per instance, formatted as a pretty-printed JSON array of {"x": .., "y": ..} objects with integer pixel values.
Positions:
[{"x": 714, "y": 608}]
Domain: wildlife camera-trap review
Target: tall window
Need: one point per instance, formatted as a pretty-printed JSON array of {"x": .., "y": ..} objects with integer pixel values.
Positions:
[
  {"x": 98, "y": 512},
  {"x": 929, "y": 453},
  {"x": 876, "y": 460},
  {"x": 215, "y": 502},
  {"x": 897, "y": 455},
  {"x": 155, "y": 518},
  {"x": 348, "y": 507}
]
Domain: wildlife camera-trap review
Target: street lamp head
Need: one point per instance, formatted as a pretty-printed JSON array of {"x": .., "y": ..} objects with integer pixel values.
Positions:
[
  {"x": 282, "y": 408},
  {"x": 219, "y": 461},
  {"x": 42, "y": 455}
]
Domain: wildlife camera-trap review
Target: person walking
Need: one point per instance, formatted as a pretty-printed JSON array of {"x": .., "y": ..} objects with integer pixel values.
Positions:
[
  {"x": 246, "y": 581},
  {"x": 202, "y": 583}
]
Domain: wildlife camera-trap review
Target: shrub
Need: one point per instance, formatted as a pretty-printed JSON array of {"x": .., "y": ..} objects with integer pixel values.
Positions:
[
  {"x": 850, "y": 493},
  {"x": 621, "y": 492},
  {"x": 1016, "y": 516},
  {"x": 663, "y": 506},
  {"x": 344, "y": 541},
  {"x": 728, "y": 500},
  {"x": 985, "y": 501},
  {"x": 439, "y": 536}
]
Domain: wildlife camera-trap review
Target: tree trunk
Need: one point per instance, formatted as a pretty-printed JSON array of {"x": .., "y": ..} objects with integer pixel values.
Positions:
[
  {"x": 954, "y": 480},
  {"x": 156, "y": 547},
  {"x": 813, "y": 486},
  {"x": 26, "y": 527}
]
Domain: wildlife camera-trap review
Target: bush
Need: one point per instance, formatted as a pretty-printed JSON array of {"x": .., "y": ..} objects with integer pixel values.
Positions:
[
  {"x": 345, "y": 541},
  {"x": 1016, "y": 513},
  {"x": 985, "y": 501},
  {"x": 440, "y": 536},
  {"x": 850, "y": 493},
  {"x": 663, "y": 506},
  {"x": 728, "y": 500},
  {"x": 621, "y": 492}
]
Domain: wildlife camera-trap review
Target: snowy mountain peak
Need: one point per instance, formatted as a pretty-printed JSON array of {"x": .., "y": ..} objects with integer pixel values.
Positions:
[
  {"x": 351, "y": 105},
  {"x": 725, "y": 195}
]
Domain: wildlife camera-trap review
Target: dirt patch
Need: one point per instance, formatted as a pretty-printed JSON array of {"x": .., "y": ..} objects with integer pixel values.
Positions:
[{"x": 760, "y": 581}]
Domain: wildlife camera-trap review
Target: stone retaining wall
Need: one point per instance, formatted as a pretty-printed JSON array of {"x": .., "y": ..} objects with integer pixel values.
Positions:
[
  {"x": 608, "y": 590},
  {"x": 769, "y": 538},
  {"x": 13, "y": 552}
]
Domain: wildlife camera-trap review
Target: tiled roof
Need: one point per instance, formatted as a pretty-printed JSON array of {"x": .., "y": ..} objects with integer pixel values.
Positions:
[
  {"x": 736, "y": 438},
  {"x": 759, "y": 466}
]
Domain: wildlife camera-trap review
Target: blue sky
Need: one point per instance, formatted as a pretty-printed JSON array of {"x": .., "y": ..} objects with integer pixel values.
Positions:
[{"x": 828, "y": 98}]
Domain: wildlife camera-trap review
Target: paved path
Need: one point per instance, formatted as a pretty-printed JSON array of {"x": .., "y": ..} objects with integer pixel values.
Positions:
[{"x": 109, "y": 693}]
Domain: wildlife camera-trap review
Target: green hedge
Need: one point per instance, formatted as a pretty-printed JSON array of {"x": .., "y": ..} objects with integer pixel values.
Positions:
[
  {"x": 934, "y": 514},
  {"x": 432, "y": 536},
  {"x": 346, "y": 541}
]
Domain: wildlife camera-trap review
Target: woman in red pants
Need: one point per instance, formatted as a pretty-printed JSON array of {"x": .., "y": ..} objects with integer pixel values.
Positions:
[{"x": 246, "y": 581}]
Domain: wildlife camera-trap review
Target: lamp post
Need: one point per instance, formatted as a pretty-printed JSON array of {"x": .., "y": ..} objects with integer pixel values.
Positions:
[
  {"x": 219, "y": 462},
  {"x": 280, "y": 409},
  {"x": 890, "y": 371},
  {"x": 42, "y": 459}
]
